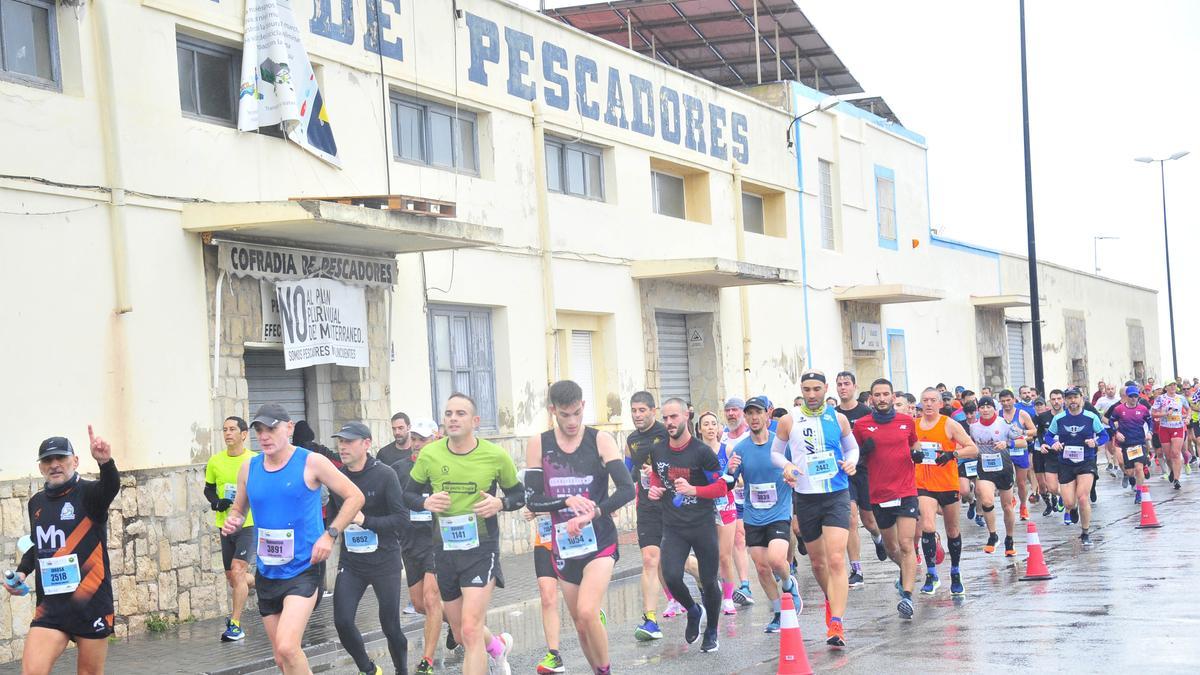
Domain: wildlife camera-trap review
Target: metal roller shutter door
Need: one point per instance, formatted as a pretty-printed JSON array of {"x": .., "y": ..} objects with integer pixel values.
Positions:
[
  {"x": 267, "y": 381},
  {"x": 1016, "y": 355},
  {"x": 673, "y": 379}
]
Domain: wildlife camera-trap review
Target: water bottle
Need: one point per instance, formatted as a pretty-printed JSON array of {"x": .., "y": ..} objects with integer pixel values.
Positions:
[
  {"x": 10, "y": 578},
  {"x": 678, "y": 500}
]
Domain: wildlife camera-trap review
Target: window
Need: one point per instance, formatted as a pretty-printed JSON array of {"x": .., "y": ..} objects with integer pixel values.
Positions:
[
  {"x": 575, "y": 169},
  {"x": 885, "y": 206},
  {"x": 581, "y": 372},
  {"x": 898, "y": 360},
  {"x": 753, "y": 219},
  {"x": 29, "y": 42},
  {"x": 208, "y": 82},
  {"x": 828, "y": 240},
  {"x": 460, "y": 357},
  {"x": 434, "y": 134},
  {"x": 667, "y": 194}
]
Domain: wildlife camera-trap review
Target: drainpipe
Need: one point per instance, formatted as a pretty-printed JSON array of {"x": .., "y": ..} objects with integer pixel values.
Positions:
[
  {"x": 743, "y": 292},
  {"x": 112, "y": 158},
  {"x": 543, "y": 214}
]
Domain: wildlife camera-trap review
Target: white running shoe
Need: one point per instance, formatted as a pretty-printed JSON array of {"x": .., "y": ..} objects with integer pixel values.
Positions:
[
  {"x": 727, "y": 607},
  {"x": 673, "y": 609}
]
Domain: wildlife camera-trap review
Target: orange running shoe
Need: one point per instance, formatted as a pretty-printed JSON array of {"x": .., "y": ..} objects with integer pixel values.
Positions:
[
  {"x": 836, "y": 635},
  {"x": 1024, "y": 512}
]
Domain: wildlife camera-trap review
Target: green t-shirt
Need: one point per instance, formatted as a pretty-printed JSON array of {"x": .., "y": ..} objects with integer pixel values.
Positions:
[
  {"x": 464, "y": 477},
  {"x": 222, "y": 471}
]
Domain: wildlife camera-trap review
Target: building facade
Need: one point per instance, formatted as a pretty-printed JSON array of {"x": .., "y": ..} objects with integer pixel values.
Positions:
[{"x": 579, "y": 211}]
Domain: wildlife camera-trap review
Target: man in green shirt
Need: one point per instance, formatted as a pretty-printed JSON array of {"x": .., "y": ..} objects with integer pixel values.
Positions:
[
  {"x": 460, "y": 474},
  {"x": 237, "y": 550}
]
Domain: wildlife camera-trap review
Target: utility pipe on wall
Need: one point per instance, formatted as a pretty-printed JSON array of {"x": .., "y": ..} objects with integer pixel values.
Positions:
[
  {"x": 743, "y": 292},
  {"x": 544, "y": 242},
  {"x": 112, "y": 158}
]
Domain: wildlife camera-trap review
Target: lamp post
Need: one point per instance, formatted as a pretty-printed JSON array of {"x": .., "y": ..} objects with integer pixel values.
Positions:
[
  {"x": 1095, "y": 256},
  {"x": 824, "y": 105},
  {"x": 1162, "y": 177},
  {"x": 1035, "y": 310}
]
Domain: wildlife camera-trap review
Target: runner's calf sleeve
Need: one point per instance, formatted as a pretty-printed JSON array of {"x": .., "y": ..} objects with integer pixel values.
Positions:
[
  {"x": 929, "y": 548},
  {"x": 955, "y": 546}
]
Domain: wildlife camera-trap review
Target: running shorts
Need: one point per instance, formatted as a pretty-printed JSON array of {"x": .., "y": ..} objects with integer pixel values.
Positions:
[
  {"x": 1140, "y": 456},
  {"x": 1168, "y": 434},
  {"x": 649, "y": 526},
  {"x": 814, "y": 512},
  {"x": 760, "y": 536},
  {"x": 237, "y": 546},
  {"x": 473, "y": 568},
  {"x": 417, "y": 555},
  {"x": 570, "y": 570},
  {"x": 543, "y": 563},
  {"x": 271, "y": 592},
  {"x": 860, "y": 492},
  {"x": 1067, "y": 471},
  {"x": 886, "y": 516},
  {"x": 944, "y": 498}
]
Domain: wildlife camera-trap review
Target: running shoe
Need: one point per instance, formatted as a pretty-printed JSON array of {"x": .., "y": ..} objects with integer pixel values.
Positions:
[
  {"x": 551, "y": 663},
  {"x": 233, "y": 632},
  {"x": 990, "y": 546},
  {"x": 1085, "y": 539},
  {"x": 773, "y": 627},
  {"x": 1145, "y": 471},
  {"x": 856, "y": 579},
  {"x": 940, "y": 556},
  {"x": 649, "y": 630},
  {"x": 971, "y": 511},
  {"x": 451, "y": 643},
  {"x": 1125, "y": 482},
  {"x": 603, "y": 619},
  {"x": 905, "y": 608},
  {"x": 835, "y": 636},
  {"x": 1049, "y": 508},
  {"x": 410, "y": 609},
  {"x": 980, "y": 521},
  {"x": 1024, "y": 513},
  {"x": 797, "y": 601},
  {"x": 378, "y": 671},
  {"x": 932, "y": 583},
  {"x": 1010, "y": 549},
  {"x": 1137, "y": 497},
  {"x": 728, "y": 608},
  {"x": 1177, "y": 485},
  {"x": 1033, "y": 498},
  {"x": 899, "y": 588},
  {"x": 880, "y": 550},
  {"x": 499, "y": 664},
  {"x": 1092, "y": 494},
  {"x": 710, "y": 643},
  {"x": 1067, "y": 518},
  {"x": 695, "y": 616},
  {"x": 425, "y": 667},
  {"x": 742, "y": 594},
  {"x": 1075, "y": 515},
  {"x": 956, "y": 585},
  {"x": 1058, "y": 505},
  {"x": 673, "y": 609}
]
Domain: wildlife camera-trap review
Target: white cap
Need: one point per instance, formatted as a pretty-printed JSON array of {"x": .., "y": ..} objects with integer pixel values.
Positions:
[{"x": 424, "y": 427}]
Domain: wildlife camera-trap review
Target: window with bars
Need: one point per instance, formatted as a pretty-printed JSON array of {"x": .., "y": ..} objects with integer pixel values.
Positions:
[
  {"x": 885, "y": 206},
  {"x": 575, "y": 169},
  {"x": 29, "y": 42},
  {"x": 828, "y": 236},
  {"x": 460, "y": 355},
  {"x": 434, "y": 134}
]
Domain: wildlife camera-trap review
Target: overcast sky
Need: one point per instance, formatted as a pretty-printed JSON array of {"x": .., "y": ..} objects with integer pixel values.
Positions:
[{"x": 1108, "y": 81}]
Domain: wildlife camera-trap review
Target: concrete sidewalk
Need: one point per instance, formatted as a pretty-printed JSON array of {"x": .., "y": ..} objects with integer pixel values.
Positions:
[{"x": 197, "y": 647}]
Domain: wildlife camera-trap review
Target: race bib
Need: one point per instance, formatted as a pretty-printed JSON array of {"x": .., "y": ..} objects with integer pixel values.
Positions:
[
  {"x": 459, "y": 533},
  {"x": 894, "y": 502},
  {"x": 1016, "y": 452},
  {"x": 420, "y": 516},
  {"x": 574, "y": 547},
  {"x": 763, "y": 495},
  {"x": 59, "y": 575},
  {"x": 646, "y": 480},
  {"x": 1174, "y": 418},
  {"x": 359, "y": 540},
  {"x": 276, "y": 547},
  {"x": 1073, "y": 453},
  {"x": 820, "y": 465},
  {"x": 1133, "y": 453},
  {"x": 971, "y": 468},
  {"x": 229, "y": 490},
  {"x": 739, "y": 495},
  {"x": 720, "y": 502},
  {"x": 992, "y": 461},
  {"x": 545, "y": 528},
  {"x": 929, "y": 450}
]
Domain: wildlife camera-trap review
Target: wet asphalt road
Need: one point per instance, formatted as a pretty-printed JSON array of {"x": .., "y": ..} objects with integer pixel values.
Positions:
[{"x": 1128, "y": 604}]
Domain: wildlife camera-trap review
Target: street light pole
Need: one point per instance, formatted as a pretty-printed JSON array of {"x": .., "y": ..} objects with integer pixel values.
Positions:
[
  {"x": 1162, "y": 177},
  {"x": 1035, "y": 310}
]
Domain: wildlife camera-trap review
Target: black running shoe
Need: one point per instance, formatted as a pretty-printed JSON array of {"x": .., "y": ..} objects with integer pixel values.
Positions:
[
  {"x": 880, "y": 550},
  {"x": 1049, "y": 508},
  {"x": 1085, "y": 539},
  {"x": 451, "y": 643},
  {"x": 695, "y": 616},
  {"x": 1177, "y": 485},
  {"x": 1075, "y": 516},
  {"x": 710, "y": 643}
]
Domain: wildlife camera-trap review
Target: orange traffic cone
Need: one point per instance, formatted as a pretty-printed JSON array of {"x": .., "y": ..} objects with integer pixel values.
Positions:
[
  {"x": 793, "y": 660},
  {"x": 1035, "y": 564},
  {"x": 1149, "y": 519}
]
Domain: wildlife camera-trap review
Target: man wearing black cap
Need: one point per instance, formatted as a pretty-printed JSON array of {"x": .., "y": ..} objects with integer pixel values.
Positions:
[
  {"x": 370, "y": 550},
  {"x": 68, "y": 520},
  {"x": 1076, "y": 433}
]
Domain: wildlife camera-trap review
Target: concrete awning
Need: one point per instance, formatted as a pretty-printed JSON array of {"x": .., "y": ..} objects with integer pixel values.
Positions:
[
  {"x": 322, "y": 224},
  {"x": 1000, "y": 301},
  {"x": 887, "y": 294},
  {"x": 716, "y": 272}
]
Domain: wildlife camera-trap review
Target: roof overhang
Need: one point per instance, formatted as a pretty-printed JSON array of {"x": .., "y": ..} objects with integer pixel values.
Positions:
[
  {"x": 887, "y": 294},
  {"x": 999, "y": 301},
  {"x": 715, "y": 272},
  {"x": 322, "y": 224}
]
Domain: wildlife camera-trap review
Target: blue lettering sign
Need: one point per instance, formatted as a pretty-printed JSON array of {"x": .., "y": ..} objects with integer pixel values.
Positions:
[
  {"x": 643, "y": 105},
  {"x": 614, "y": 113},
  {"x": 554, "y": 58},
  {"x": 741, "y": 142},
  {"x": 668, "y": 114},
  {"x": 520, "y": 47},
  {"x": 693, "y": 124},
  {"x": 322, "y": 21},
  {"x": 374, "y": 35},
  {"x": 585, "y": 69},
  {"x": 479, "y": 28},
  {"x": 716, "y": 131}
]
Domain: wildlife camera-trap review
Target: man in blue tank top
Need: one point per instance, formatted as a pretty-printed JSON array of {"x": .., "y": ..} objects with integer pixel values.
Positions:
[{"x": 283, "y": 487}]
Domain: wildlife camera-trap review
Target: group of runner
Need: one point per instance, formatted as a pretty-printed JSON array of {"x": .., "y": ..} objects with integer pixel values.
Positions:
[{"x": 708, "y": 499}]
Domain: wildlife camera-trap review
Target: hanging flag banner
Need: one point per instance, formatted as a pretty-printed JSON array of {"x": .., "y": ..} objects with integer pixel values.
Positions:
[
  {"x": 277, "y": 82},
  {"x": 322, "y": 321}
]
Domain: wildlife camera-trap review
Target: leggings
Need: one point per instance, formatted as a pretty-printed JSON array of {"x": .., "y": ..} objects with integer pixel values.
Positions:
[
  {"x": 676, "y": 543},
  {"x": 350, "y": 588}
]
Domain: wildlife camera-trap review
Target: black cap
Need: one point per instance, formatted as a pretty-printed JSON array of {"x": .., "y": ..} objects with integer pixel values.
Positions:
[
  {"x": 270, "y": 414},
  {"x": 947, "y": 396},
  {"x": 55, "y": 446},
  {"x": 758, "y": 402},
  {"x": 987, "y": 400},
  {"x": 970, "y": 407},
  {"x": 1072, "y": 391},
  {"x": 353, "y": 431}
]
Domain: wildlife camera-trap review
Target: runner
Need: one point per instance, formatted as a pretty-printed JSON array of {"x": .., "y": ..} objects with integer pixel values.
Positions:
[
  {"x": 889, "y": 442},
  {"x": 1076, "y": 433},
  {"x": 1022, "y": 423},
  {"x": 734, "y": 432},
  {"x": 402, "y": 440},
  {"x": 686, "y": 477},
  {"x": 416, "y": 549},
  {"x": 648, "y": 434},
  {"x": 821, "y": 443},
  {"x": 283, "y": 487},
  {"x": 943, "y": 441},
  {"x": 726, "y": 510},
  {"x": 460, "y": 474},
  {"x": 370, "y": 551},
  {"x": 237, "y": 550},
  {"x": 860, "y": 496},
  {"x": 996, "y": 440},
  {"x": 1129, "y": 420},
  {"x": 1025, "y": 403},
  {"x": 547, "y": 581},
  {"x": 68, "y": 520},
  {"x": 569, "y": 470},
  {"x": 1045, "y": 460},
  {"x": 968, "y": 469},
  {"x": 1168, "y": 411}
]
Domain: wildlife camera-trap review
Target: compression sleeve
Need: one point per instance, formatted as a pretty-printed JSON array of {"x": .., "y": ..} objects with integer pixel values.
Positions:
[
  {"x": 535, "y": 493},
  {"x": 623, "y": 487},
  {"x": 413, "y": 496},
  {"x": 210, "y": 493},
  {"x": 28, "y": 561},
  {"x": 101, "y": 494},
  {"x": 779, "y": 453},
  {"x": 514, "y": 496},
  {"x": 850, "y": 450},
  {"x": 397, "y": 516},
  {"x": 717, "y": 488}
]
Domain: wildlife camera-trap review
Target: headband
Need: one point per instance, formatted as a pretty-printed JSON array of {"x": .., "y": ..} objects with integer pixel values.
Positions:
[{"x": 813, "y": 376}]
